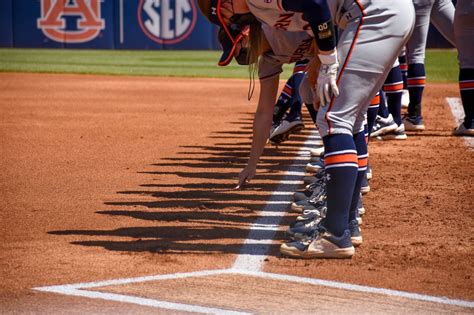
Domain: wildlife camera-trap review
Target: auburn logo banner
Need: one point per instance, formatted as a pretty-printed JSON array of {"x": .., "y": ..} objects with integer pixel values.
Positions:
[{"x": 85, "y": 13}]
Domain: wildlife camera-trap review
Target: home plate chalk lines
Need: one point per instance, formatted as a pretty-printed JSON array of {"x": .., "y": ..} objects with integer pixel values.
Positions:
[{"x": 248, "y": 263}]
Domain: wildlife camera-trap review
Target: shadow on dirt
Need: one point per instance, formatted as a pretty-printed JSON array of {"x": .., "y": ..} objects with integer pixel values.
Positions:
[{"x": 193, "y": 207}]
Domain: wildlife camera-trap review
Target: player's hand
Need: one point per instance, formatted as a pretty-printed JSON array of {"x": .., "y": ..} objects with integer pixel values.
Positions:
[
  {"x": 246, "y": 175},
  {"x": 326, "y": 84}
]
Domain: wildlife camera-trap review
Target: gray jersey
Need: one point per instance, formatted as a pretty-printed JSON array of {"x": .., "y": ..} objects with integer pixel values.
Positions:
[{"x": 287, "y": 47}]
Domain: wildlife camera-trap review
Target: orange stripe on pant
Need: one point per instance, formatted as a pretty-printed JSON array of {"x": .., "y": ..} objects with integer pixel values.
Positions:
[{"x": 341, "y": 158}]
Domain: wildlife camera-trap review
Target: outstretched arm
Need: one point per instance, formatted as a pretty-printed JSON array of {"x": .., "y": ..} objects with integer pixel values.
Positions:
[{"x": 261, "y": 127}]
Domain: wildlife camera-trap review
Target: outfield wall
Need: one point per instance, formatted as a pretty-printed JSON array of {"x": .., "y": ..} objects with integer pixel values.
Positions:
[{"x": 112, "y": 24}]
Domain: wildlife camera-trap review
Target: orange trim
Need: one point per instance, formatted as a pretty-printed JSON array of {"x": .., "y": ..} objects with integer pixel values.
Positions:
[
  {"x": 466, "y": 85},
  {"x": 416, "y": 81},
  {"x": 404, "y": 67},
  {"x": 287, "y": 90},
  {"x": 346, "y": 61},
  {"x": 341, "y": 158},
  {"x": 363, "y": 162},
  {"x": 375, "y": 100},
  {"x": 396, "y": 87}
]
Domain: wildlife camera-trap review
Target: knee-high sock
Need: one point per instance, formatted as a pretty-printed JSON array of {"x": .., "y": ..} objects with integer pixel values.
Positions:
[
  {"x": 416, "y": 85},
  {"x": 372, "y": 112},
  {"x": 393, "y": 88},
  {"x": 362, "y": 158},
  {"x": 341, "y": 164},
  {"x": 383, "y": 111},
  {"x": 466, "y": 87},
  {"x": 283, "y": 102},
  {"x": 402, "y": 59}
]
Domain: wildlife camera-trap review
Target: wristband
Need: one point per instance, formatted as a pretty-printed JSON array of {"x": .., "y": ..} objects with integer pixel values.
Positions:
[{"x": 328, "y": 59}]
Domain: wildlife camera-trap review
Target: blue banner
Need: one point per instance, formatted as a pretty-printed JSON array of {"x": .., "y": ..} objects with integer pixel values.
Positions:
[
  {"x": 6, "y": 23},
  {"x": 113, "y": 24}
]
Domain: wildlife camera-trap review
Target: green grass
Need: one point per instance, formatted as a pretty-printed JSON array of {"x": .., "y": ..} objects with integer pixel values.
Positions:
[{"x": 441, "y": 64}]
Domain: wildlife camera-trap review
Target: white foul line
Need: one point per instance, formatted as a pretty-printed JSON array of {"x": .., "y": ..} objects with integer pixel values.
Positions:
[
  {"x": 256, "y": 247},
  {"x": 458, "y": 113},
  {"x": 249, "y": 262}
]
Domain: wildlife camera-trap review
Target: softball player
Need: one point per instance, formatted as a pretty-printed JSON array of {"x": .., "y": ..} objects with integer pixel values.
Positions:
[
  {"x": 441, "y": 14},
  {"x": 345, "y": 92},
  {"x": 464, "y": 34}
]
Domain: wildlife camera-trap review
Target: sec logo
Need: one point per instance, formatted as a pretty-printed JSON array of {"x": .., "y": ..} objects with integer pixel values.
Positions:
[{"x": 167, "y": 21}]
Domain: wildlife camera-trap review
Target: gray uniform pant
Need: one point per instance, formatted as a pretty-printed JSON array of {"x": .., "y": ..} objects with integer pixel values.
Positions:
[
  {"x": 441, "y": 14},
  {"x": 464, "y": 32},
  {"x": 367, "y": 49}
]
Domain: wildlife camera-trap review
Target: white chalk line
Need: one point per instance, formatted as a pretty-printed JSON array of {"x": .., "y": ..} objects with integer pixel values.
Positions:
[
  {"x": 78, "y": 290},
  {"x": 248, "y": 263},
  {"x": 458, "y": 113},
  {"x": 256, "y": 247}
]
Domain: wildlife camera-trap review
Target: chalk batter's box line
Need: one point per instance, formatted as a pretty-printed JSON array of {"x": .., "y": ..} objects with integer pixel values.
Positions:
[{"x": 79, "y": 289}]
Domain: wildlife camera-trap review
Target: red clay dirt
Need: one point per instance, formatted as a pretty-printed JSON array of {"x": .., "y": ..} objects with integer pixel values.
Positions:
[{"x": 105, "y": 177}]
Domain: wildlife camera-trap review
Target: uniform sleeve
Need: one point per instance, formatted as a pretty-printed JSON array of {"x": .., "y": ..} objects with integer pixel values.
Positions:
[{"x": 317, "y": 13}]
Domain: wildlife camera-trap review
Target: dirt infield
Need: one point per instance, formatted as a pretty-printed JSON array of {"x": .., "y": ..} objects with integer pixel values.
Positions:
[{"x": 113, "y": 177}]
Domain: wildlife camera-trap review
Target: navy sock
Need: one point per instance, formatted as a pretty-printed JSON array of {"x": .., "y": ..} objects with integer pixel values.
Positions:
[
  {"x": 393, "y": 88},
  {"x": 372, "y": 112},
  {"x": 282, "y": 104},
  {"x": 383, "y": 111},
  {"x": 295, "y": 110},
  {"x": 466, "y": 87},
  {"x": 362, "y": 158},
  {"x": 404, "y": 69},
  {"x": 340, "y": 163},
  {"x": 416, "y": 85}
]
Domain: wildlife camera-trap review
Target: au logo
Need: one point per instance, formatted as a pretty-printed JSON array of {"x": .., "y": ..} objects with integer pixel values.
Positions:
[
  {"x": 55, "y": 12},
  {"x": 167, "y": 21}
]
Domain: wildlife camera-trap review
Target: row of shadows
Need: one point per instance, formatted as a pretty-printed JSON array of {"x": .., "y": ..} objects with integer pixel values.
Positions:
[{"x": 188, "y": 204}]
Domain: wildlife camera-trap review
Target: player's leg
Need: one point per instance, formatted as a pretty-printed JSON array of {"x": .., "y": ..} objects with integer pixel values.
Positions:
[
  {"x": 372, "y": 111},
  {"x": 291, "y": 122},
  {"x": 416, "y": 64},
  {"x": 283, "y": 103},
  {"x": 357, "y": 87},
  {"x": 393, "y": 88},
  {"x": 402, "y": 59},
  {"x": 464, "y": 32},
  {"x": 442, "y": 17}
]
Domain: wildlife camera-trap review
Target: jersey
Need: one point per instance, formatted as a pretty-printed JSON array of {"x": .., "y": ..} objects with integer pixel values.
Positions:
[
  {"x": 287, "y": 47},
  {"x": 273, "y": 14}
]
